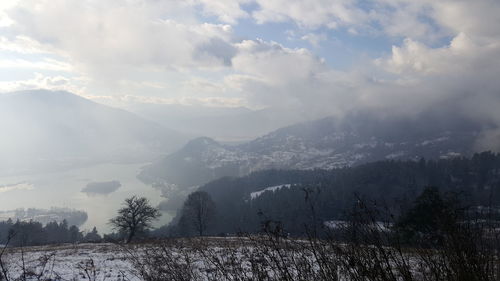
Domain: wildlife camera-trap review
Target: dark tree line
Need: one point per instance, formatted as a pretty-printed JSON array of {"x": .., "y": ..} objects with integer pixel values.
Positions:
[
  {"x": 316, "y": 196},
  {"x": 31, "y": 233}
]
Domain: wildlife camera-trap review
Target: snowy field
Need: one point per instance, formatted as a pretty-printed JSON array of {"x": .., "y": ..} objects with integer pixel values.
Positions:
[
  {"x": 206, "y": 259},
  {"x": 69, "y": 262},
  {"x": 252, "y": 258}
]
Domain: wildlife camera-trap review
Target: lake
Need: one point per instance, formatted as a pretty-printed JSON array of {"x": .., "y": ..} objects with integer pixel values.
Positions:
[{"x": 64, "y": 189}]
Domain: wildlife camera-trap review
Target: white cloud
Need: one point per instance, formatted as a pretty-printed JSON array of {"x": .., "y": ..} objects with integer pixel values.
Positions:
[
  {"x": 274, "y": 62},
  {"x": 125, "y": 34},
  {"x": 228, "y": 11},
  {"x": 23, "y": 45},
  {"x": 4, "y": 6},
  {"x": 462, "y": 55},
  {"x": 478, "y": 18},
  {"x": 129, "y": 48},
  {"x": 314, "y": 39},
  {"x": 127, "y": 100},
  {"x": 41, "y": 81},
  {"x": 423, "y": 20},
  {"x": 200, "y": 85},
  {"x": 270, "y": 74},
  {"x": 411, "y": 19},
  {"x": 44, "y": 64},
  {"x": 312, "y": 13},
  {"x": 112, "y": 42},
  {"x": 16, "y": 186}
]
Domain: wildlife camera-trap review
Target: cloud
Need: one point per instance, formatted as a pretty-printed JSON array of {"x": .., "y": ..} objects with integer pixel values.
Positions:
[
  {"x": 16, "y": 186},
  {"x": 310, "y": 14},
  {"x": 464, "y": 66},
  {"x": 112, "y": 45},
  {"x": 314, "y": 39},
  {"x": 275, "y": 63},
  {"x": 414, "y": 57},
  {"x": 126, "y": 34},
  {"x": 204, "y": 86},
  {"x": 276, "y": 76},
  {"x": 44, "y": 64},
  {"x": 479, "y": 18},
  {"x": 426, "y": 69},
  {"x": 4, "y": 18},
  {"x": 414, "y": 78},
  {"x": 445, "y": 53},
  {"x": 216, "y": 50},
  {"x": 41, "y": 81},
  {"x": 229, "y": 11},
  {"x": 210, "y": 101},
  {"x": 22, "y": 45},
  {"x": 424, "y": 20}
]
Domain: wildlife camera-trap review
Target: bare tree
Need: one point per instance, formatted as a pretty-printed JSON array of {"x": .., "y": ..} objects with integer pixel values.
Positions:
[
  {"x": 198, "y": 212},
  {"x": 136, "y": 216}
]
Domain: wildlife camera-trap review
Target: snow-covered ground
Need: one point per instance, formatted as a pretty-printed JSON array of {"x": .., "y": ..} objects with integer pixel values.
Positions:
[
  {"x": 208, "y": 259},
  {"x": 69, "y": 262}
]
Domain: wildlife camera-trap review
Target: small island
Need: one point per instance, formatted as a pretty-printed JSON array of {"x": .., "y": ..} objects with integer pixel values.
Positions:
[{"x": 101, "y": 188}]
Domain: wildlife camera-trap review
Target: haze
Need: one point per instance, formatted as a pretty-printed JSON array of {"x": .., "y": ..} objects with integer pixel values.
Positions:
[{"x": 93, "y": 91}]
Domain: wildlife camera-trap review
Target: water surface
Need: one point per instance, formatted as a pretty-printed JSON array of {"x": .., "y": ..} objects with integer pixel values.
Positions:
[{"x": 64, "y": 189}]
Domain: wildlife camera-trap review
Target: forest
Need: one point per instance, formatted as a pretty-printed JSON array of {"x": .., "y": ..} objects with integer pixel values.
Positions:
[
  {"x": 32, "y": 233},
  {"x": 314, "y": 197}
]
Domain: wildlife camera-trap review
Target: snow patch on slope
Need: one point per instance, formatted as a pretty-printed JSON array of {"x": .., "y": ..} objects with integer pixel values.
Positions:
[{"x": 256, "y": 194}]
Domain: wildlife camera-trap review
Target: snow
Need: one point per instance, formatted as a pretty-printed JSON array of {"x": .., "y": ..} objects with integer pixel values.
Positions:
[
  {"x": 335, "y": 224},
  {"x": 341, "y": 224},
  {"x": 434, "y": 141},
  {"x": 294, "y": 150},
  {"x": 395, "y": 155},
  {"x": 210, "y": 258},
  {"x": 256, "y": 194},
  {"x": 450, "y": 155},
  {"x": 71, "y": 262}
]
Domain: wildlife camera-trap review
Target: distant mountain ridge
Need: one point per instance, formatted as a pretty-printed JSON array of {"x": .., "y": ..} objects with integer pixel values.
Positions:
[
  {"x": 325, "y": 144},
  {"x": 56, "y": 129}
]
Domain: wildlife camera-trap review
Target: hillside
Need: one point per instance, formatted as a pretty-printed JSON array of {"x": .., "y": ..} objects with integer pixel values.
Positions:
[
  {"x": 288, "y": 196},
  {"x": 46, "y": 130},
  {"x": 324, "y": 144}
]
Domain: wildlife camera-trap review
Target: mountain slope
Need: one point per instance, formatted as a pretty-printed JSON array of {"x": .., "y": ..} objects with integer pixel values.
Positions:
[
  {"x": 327, "y": 143},
  {"x": 288, "y": 196},
  {"x": 46, "y": 129}
]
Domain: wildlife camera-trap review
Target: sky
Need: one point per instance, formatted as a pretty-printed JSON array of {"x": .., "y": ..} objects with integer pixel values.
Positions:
[{"x": 325, "y": 57}]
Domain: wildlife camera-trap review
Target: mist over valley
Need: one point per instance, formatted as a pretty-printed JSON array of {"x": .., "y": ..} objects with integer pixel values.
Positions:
[{"x": 267, "y": 140}]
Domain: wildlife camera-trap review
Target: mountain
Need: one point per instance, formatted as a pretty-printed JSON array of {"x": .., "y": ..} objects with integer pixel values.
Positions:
[
  {"x": 47, "y": 130},
  {"x": 326, "y": 144}
]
